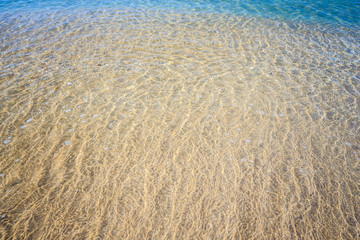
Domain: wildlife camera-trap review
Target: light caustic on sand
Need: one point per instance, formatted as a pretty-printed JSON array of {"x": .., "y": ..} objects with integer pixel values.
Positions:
[{"x": 148, "y": 126}]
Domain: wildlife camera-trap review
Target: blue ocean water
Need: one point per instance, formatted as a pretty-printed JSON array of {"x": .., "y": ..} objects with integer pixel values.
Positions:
[{"x": 342, "y": 12}]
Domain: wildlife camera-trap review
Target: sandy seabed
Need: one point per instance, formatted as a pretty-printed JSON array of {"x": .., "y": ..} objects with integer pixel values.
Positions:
[{"x": 155, "y": 125}]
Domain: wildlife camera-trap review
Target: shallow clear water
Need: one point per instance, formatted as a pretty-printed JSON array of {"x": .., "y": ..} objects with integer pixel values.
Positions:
[
  {"x": 343, "y": 12},
  {"x": 184, "y": 119}
]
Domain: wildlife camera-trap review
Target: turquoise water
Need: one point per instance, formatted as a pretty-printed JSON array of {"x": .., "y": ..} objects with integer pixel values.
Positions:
[
  {"x": 184, "y": 119},
  {"x": 343, "y": 12}
]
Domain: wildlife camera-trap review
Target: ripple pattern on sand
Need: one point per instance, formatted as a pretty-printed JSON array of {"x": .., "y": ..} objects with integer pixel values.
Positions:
[{"x": 150, "y": 125}]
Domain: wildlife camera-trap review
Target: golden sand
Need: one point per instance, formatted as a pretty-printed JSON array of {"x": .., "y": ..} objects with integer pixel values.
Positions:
[{"x": 144, "y": 125}]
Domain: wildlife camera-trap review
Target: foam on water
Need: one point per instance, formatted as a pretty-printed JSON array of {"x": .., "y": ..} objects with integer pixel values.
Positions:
[{"x": 166, "y": 100}]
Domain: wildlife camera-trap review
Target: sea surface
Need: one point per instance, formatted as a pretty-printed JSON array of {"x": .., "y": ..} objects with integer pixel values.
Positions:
[{"x": 201, "y": 119}]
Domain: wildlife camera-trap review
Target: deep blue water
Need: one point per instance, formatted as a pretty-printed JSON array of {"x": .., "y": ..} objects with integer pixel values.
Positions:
[{"x": 340, "y": 12}]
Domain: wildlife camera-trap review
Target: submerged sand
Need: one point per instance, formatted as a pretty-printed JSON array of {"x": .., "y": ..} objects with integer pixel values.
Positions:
[{"x": 150, "y": 125}]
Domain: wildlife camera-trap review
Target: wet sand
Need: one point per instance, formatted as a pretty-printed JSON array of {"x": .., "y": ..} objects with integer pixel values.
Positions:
[{"x": 150, "y": 125}]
